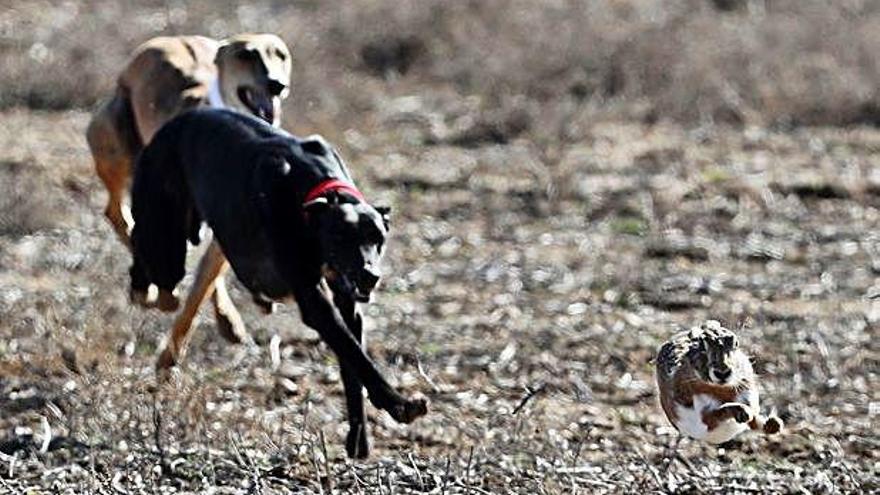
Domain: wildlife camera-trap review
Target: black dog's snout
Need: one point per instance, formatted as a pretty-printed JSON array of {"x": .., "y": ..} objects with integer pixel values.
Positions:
[
  {"x": 276, "y": 87},
  {"x": 369, "y": 280}
]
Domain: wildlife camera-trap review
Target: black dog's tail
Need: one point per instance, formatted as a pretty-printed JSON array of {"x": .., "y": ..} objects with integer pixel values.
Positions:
[{"x": 164, "y": 216}]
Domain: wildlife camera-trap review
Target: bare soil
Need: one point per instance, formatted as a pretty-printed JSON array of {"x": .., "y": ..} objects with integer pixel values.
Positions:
[{"x": 528, "y": 317}]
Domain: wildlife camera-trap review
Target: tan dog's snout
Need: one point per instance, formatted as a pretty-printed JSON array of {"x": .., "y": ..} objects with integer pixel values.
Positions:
[{"x": 276, "y": 88}]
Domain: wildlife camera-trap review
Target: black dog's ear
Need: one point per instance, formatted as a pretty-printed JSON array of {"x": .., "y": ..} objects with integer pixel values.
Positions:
[
  {"x": 316, "y": 206},
  {"x": 385, "y": 211},
  {"x": 316, "y": 145},
  {"x": 333, "y": 198}
]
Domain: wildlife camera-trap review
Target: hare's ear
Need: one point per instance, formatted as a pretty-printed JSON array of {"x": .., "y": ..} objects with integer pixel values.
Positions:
[
  {"x": 712, "y": 325},
  {"x": 730, "y": 341}
]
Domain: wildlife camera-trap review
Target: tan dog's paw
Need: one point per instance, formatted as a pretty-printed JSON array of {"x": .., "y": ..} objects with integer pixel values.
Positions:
[
  {"x": 164, "y": 365},
  {"x": 231, "y": 328}
]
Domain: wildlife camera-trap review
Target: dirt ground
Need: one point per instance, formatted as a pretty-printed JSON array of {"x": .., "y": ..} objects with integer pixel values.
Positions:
[
  {"x": 541, "y": 251},
  {"x": 529, "y": 318}
]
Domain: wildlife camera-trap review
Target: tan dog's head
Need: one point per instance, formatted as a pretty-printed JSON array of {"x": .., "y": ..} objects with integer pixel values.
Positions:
[{"x": 254, "y": 71}]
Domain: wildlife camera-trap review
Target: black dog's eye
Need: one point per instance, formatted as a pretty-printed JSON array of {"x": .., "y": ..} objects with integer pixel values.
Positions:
[
  {"x": 370, "y": 232},
  {"x": 281, "y": 56},
  {"x": 375, "y": 237}
]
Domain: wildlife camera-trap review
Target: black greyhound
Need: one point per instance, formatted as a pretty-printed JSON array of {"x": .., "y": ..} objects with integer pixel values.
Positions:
[{"x": 289, "y": 219}]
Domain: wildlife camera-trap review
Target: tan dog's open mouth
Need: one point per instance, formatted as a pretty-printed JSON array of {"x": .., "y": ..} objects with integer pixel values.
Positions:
[{"x": 259, "y": 103}]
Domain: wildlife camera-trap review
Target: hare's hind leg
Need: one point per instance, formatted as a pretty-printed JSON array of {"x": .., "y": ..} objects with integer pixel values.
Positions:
[{"x": 769, "y": 425}]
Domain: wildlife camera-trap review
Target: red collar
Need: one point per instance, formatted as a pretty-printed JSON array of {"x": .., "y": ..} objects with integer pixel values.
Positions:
[{"x": 329, "y": 185}]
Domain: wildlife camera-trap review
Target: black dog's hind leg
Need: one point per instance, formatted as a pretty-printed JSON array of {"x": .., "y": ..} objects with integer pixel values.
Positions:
[
  {"x": 140, "y": 280},
  {"x": 160, "y": 261},
  {"x": 357, "y": 443},
  {"x": 319, "y": 313},
  {"x": 162, "y": 216}
]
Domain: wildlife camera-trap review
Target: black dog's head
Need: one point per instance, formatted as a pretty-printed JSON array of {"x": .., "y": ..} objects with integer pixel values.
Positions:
[{"x": 352, "y": 239}]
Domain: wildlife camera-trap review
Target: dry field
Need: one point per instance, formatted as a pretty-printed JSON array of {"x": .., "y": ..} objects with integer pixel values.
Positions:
[{"x": 567, "y": 192}]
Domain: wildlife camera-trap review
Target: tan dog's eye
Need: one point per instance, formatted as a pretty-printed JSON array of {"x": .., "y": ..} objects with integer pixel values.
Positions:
[{"x": 247, "y": 55}]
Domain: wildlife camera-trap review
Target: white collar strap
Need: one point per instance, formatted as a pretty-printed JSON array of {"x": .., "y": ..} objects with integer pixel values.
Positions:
[{"x": 215, "y": 99}]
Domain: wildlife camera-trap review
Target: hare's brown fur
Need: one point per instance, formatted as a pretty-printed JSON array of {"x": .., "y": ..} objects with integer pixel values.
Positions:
[{"x": 703, "y": 373}]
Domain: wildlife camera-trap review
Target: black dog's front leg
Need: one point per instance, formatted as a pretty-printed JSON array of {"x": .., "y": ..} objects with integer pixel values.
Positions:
[
  {"x": 357, "y": 443},
  {"x": 319, "y": 313}
]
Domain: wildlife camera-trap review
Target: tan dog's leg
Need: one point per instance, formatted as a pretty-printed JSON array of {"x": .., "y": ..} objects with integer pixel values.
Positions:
[
  {"x": 229, "y": 322},
  {"x": 211, "y": 266},
  {"x": 115, "y": 177},
  {"x": 113, "y": 160}
]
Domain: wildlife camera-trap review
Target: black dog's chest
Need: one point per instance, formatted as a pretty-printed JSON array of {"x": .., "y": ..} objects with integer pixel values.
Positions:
[
  {"x": 258, "y": 272},
  {"x": 233, "y": 213}
]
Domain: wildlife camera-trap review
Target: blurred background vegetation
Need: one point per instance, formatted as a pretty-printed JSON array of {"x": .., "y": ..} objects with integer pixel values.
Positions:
[{"x": 525, "y": 65}]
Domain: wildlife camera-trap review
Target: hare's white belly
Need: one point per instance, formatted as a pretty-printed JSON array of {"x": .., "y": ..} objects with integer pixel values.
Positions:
[{"x": 690, "y": 419}]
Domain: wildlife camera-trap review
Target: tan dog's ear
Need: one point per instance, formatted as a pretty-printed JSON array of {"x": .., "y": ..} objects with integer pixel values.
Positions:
[
  {"x": 278, "y": 61},
  {"x": 222, "y": 52}
]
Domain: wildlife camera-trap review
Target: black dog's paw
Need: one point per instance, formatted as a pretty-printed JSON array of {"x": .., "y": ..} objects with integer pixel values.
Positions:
[
  {"x": 408, "y": 410},
  {"x": 267, "y": 306},
  {"x": 357, "y": 443},
  {"x": 139, "y": 298},
  {"x": 167, "y": 302}
]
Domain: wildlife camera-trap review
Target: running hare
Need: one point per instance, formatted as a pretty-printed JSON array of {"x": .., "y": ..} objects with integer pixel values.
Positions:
[{"x": 708, "y": 389}]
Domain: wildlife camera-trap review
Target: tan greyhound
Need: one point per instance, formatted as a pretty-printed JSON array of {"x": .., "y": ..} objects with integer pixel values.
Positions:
[{"x": 166, "y": 76}]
